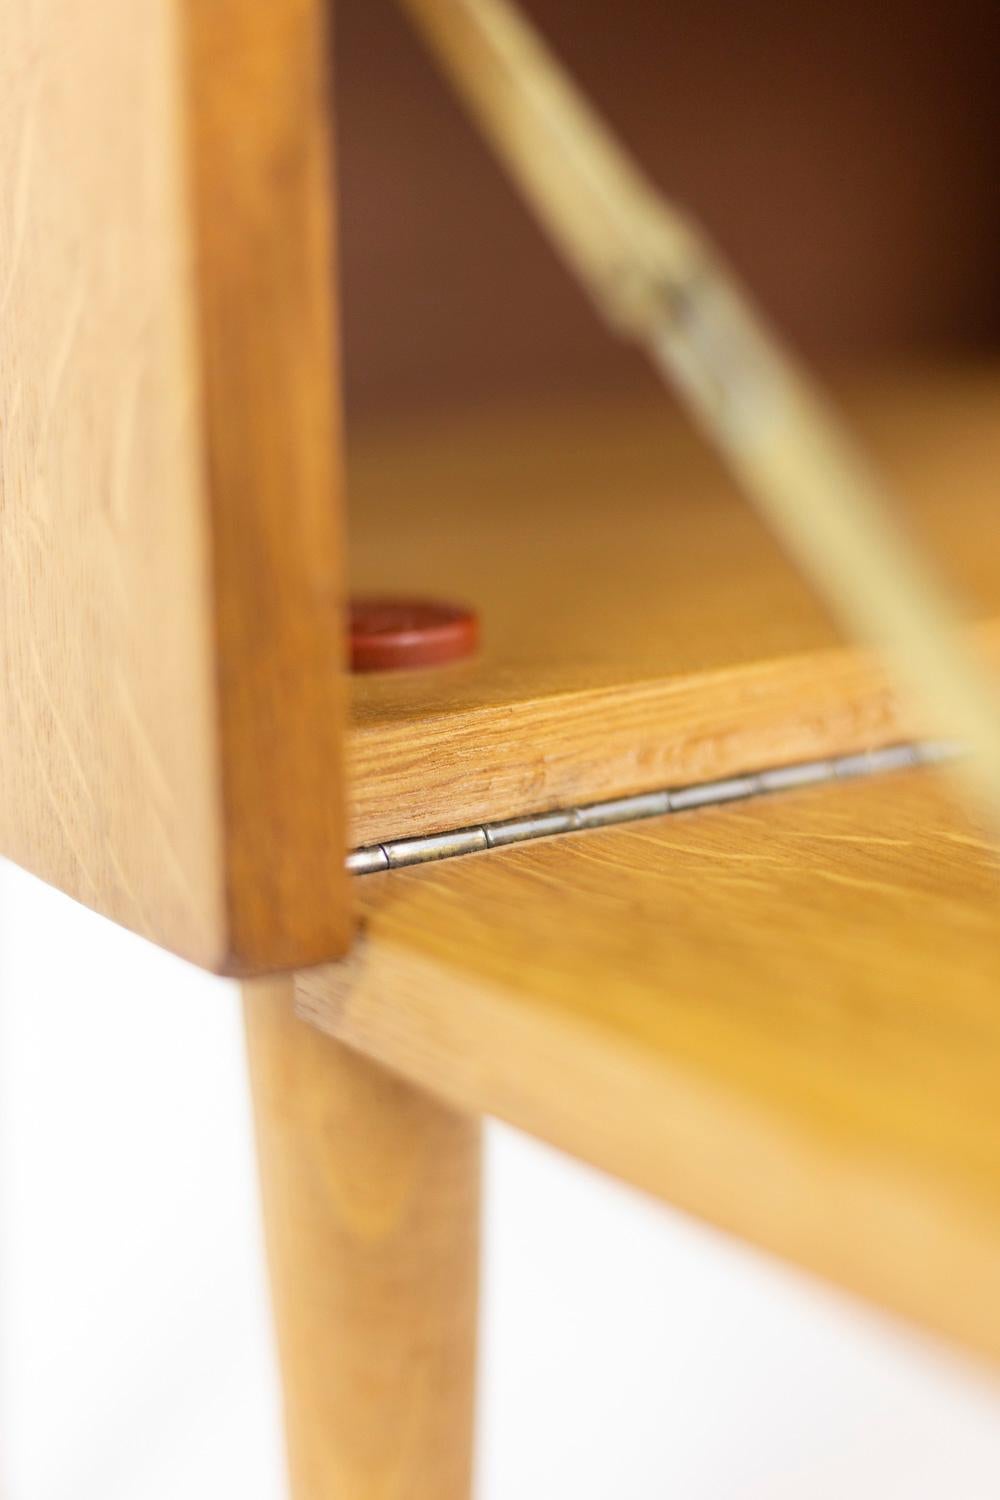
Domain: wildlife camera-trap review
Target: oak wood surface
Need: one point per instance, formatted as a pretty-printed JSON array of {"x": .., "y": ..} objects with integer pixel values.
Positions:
[
  {"x": 656, "y": 279},
  {"x": 371, "y": 1199},
  {"x": 169, "y": 539},
  {"x": 780, "y": 1015},
  {"x": 640, "y": 627}
]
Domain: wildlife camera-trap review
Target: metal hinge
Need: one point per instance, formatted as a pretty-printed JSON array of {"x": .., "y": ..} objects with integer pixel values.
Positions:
[{"x": 395, "y": 854}]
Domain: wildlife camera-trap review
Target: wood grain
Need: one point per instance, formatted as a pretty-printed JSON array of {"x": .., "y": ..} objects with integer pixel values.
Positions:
[
  {"x": 656, "y": 278},
  {"x": 640, "y": 628},
  {"x": 259, "y": 113},
  {"x": 371, "y": 1197},
  {"x": 169, "y": 552},
  {"x": 781, "y": 1016}
]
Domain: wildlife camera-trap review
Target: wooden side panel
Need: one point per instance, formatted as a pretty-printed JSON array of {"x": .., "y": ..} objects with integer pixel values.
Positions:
[
  {"x": 263, "y": 185},
  {"x": 169, "y": 538}
]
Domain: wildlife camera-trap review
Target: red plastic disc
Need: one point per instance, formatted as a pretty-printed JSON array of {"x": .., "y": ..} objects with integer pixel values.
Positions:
[{"x": 390, "y": 635}]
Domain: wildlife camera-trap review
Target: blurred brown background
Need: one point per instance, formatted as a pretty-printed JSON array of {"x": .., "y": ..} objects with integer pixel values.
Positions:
[{"x": 846, "y": 157}]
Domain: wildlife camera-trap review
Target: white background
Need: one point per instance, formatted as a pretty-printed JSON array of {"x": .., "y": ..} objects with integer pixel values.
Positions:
[{"x": 627, "y": 1353}]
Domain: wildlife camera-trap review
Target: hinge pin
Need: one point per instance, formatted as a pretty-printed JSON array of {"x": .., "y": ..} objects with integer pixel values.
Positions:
[{"x": 395, "y": 854}]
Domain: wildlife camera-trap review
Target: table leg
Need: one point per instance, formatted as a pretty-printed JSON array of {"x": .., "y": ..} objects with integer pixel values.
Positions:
[{"x": 371, "y": 1203}]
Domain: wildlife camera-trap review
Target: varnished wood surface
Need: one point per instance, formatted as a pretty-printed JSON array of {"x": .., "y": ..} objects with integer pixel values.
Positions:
[
  {"x": 371, "y": 1199},
  {"x": 169, "y": 539},
  {"x": 640, "y": 628},
  {"x": 259, "y": 109},
  {"x": 782, "y": 1015}
]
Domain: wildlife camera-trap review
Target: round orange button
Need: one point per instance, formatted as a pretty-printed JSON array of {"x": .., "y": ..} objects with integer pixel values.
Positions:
[{"x": 390, "y": 635}]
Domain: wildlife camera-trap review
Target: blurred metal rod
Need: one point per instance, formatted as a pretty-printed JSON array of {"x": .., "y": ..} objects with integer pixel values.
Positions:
[{"x": 654, "y": 278}]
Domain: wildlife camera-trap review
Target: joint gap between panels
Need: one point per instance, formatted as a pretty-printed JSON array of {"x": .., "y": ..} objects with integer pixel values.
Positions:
[{"x": 397, "y": 854}]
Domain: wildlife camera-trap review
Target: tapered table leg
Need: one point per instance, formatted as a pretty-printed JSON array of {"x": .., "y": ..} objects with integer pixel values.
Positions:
[{"x": 371, "y": 1204}]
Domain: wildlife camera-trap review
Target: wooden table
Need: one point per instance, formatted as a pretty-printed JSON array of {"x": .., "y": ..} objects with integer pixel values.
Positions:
[{"x": 778, "y": 1012}]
